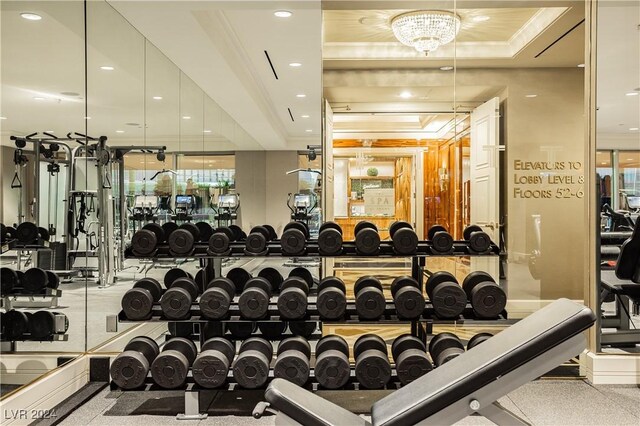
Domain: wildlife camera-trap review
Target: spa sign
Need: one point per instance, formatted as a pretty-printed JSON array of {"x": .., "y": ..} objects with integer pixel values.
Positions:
[
  {"x": 379, "y": 202},
  {"x": 547, "y": 179}
]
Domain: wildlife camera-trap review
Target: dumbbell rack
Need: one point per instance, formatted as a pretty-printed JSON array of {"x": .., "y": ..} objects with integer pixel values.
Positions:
[
  {"x": 421, "y": 327},
  {"x": 47, "y": 299},
  {"x": 8, "y": 245}
]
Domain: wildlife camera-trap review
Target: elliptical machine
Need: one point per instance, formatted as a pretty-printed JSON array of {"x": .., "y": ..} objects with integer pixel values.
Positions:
[{"x": 226, "y": 209}]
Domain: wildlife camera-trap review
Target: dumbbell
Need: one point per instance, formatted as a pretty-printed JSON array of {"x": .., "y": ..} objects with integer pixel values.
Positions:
[
  {"x": 145, "y": 240},
  {"x": 8, "y": 280},
  {"x": 477, "y": 240},
  {"x": 251, "y": 367},
  {"x": 169, "y": 369},
  {"x": 202, "y": 279},
  {"x": 410, "y": 356},
  {"x": 332, "y": 368},
  {"x": 176, "y": 301},
  {"x": 241, "y": 330},
  {"x": 28, "y": 232},
  {"x": 129, "y": 370},
  {"x": 137, "y": 302},
  {"x": 216, "y": 299},
  {"x": 373, "y": 369},
  {"x": 273, "y": 235},
  {"x": 330, "y": 239},
  {"x": 239, "y": 276},
  {"x": 238, "y": 233},
  {"x": 404, "y": 238},
  {"x": 477, "y": 339},
  {"x": 303, "y": 273},
  {"x": 292, "y": 360},
  {"x": 15, "y": 324},
  {"x": 294, "y": 238},
  {"x": 272, "y": 275},
  {"x": 256, "y": 242},
  {"x": 440, "y": 239},
  {"x": 36, "y": 280},
  {"x": 292, "y": 301},
  {"x": 367, "y": 238},
  {"x": 42, "y": 325},
  {"x": 211, "y": 366},
  {"x": 272, "y": 330},
  {"x": 173, "y": 274},
  {"x": 446, "y": 295},
  {"x": 254, "y": 299},
  {"x": 220, "y": 239},
  {"x": 487, "y": 299},
  {"x": 182, "y": 239},
  {"x": 168, "y": 228},
  {"x": 303, "y": 328},
  {"x": 407, "y": 297},
  {"x": 332, "y": 299},
  {"x": 205, "y": 231},
  {"x": 443, "y": 347},
  {"x": 4, "y": 233},
  {"x": 370, "y": 302}
]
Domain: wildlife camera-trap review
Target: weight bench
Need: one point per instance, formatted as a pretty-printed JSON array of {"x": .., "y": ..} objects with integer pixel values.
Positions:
[{"x": 470, "y": 383}]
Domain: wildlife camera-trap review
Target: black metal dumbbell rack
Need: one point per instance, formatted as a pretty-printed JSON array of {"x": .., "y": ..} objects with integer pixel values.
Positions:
[{"x": 421, "y": 327}]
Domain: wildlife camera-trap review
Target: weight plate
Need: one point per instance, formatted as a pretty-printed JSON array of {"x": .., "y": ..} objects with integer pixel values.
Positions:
[
  {"x": 292, "y": 366},
  {"x": 409, "y": 303},
  {"x": 54, "y": 280},
  {"x": 367, "y": 241},
  {"x": 226, "y": 231},
  {"x": 184, "y": 346},
  {"x": 12, "y": 232},
  {"x": 220, "y": 344},
  {"x": 272, "y": 232},
  {"x": 330, "y": 225},
  {"x": 328, "y": 282},
  {"x": 168, "y": 228},
  {"x": 205, "y": 230},
  {"x": 251, "y": 370},
  {"x": 156, "y": 229},
  {"x": 241, "y": 330},
  {"x": 137, "y": 304},
  {"x": 370, "y": 305},
  {"x": 27, "y": 232},
  {"x": 145, "y": 345},
  {"x": 262, "y": 231},
  {"x": 437, "y": 278},
  {"x": 144, "y": 242},
  {"x": 435, "y": 229},
  {"x": 411, "y": 365},
  {"x": 303, "y": 328},
  {"x": 401, "y": 282},
  {"x": 303, "y": 273},
  {"x": 225, "y": 284},
  {"x": 42, "y": 325},
  {"x": 332, "y": 369},
  {"x": 188, "y": 284},
  {"x": 449, "y": 300},
  {"x": 330, "y": 242},
  {"x": 488, "y": 300},
  {"x": 477, "y": 339},
  {"x": 16, "y": 324},
  {"x": 172, "y": 275},
  {"x": 3, "y": 233},
  {"x": 35, "y": 280},
  {"x": 238, "y": 234},
  {"x": 293, "y": 242},
  {"x": 151, "y": 285},
  {"x": 210, "y": 369},
  {"x": 480, "y": 242},
  {"x": 219, "y": 243},
  {"x": 405, "y": 241},
  {"x": 332, "y": 301},
  {"x": 129, "y": 370},
  {"x": 215, "y": 301},
  {"x": 256, "y": 242},
  {"x": 272, "y": 330},
  {"x": 295, "y": 343},
  {"x": 192, "y": 228},
  {"x": 8, "y": 280},
  {"x": 176, "y": 303},
  {"x": 332, "y": 342},
  {"x": 169, "y": 369},
  {"x": 181, "y": 241},
  {"x": 373, "y": 370},
  {"x": 405, "y": 342},
  {"x": 43, "y": 233},
  {"x": 364, "y": 224},
  {"x": 201, "y": 279},
  {"x": 442, "y": 242},
  {"x": 469, "y": 230},
  {"x": 475, "y": 278},
  {"x": 300, "y": 226},
  {"x": 444, "y": 340},
  {"x": 366, "y": 281},
  {"x": 273, "y": 276},
  {"x": 398, "y": 224},
  {"x": 369, "y": 342},
  {"x": 258, "y": 344}
]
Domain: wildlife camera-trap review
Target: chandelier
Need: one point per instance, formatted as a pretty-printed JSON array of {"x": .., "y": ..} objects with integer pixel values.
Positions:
[{"x": 426, "y": 30}]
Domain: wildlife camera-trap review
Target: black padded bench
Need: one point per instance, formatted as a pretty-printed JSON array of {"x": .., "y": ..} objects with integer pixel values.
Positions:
[{"x": 470, "y": 383}]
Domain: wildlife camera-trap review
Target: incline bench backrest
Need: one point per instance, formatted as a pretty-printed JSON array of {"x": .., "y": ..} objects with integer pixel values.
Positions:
[{"x": 511, "y": 348}]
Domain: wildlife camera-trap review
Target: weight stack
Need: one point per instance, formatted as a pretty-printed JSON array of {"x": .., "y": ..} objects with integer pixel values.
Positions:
[{"x": 54, "y": 259}]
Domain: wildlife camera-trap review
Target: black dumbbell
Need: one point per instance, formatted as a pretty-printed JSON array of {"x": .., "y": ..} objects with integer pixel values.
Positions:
[
  {"x": 203, "y": 278},
  {"x": 294, "y": 238},
  {"x": 20, "y": 285},
  {"x": 273, "y": 235},
  {"x": 238, "y": 233},
  {"x": 4, "y": 234},
  {"x": 146, "y": 240},
  {"x": 182, "y": 239},
  {"x": 15, "y": 324},
  {"x": 446, "y": 295},
  {"x": 410, "y": 356},
  {"x": 272, "y": 275},
  {"x": 443, "y": 347},
  {"x": 239, "y": 277},
  {"x": 407, "y": 297},
  {"x": 367, "y": 238},
  {"x": 251, "y": 367},
  {"x": 332, "y": 368},
  {"x": 216, "y": 299},
  {"x": 173, "y": 274},
  {"x": 129, "y": 370},
  {"x": 27, "y": 232},
  {"x": 168, "y": 228},
  {"x": 220, "y": 239},
  {"x": 303, "y": 328},
  {"x": 211, "y": 366},
  {"x": 8, "y": 281},
  {"x": 254, "y": 299},
  {"x": 272, "y": 330},
  {"x": 176, "y": 301},
  {"x": 43, "y": 233},
  {"x": 330, "y": 239},
  {"x": 441, "y": 240},
  {"x": 373, "y": 369},
  {"x": 303, "y": 273},
  {"x": 292, "y": 301},
  {"x": 292, "y": 360},
  {"x": 241, "y": 330},
  {"x": 169, "y": 369},
  {"x": 205, "y": 231},
  {"x": 477, "y": 339},
  {"x": 256, "y": 242},
  {"x": 36, "y": 280},
  {"x": 370, "y": 302},
  {"x": 404, "y": 238},
  {"x": 137, "y": 302},
  {"x": 487, "y": 299},
  {"x": 477, "y": 240},
  {"x": 332, "y": 299},
  {"x": 42, "y": 325}
]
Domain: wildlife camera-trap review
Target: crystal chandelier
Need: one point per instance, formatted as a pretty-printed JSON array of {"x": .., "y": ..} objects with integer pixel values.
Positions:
[{"x": 426, "y": 30}]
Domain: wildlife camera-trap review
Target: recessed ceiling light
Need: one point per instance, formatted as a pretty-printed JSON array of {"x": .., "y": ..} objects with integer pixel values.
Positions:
[
  {"x": 406, "y": 95},
  {"x": 186, "y": 117},
  {"x": 531, "y": 96},
  {"x": 308, "y": 130},
  {"x": 633, "y": 129},
  {"x": 480, "y": 18},
  {"x": 38, "y": 98},
  {"x": 603, "y": 163},
  {"x": 633, "y": 93},
  {"x": 295, "y": 64},
  {"x": 50, "y": 131},
  {"x": 107, "y": 68},
  {"x": 119, "y": 131},
  {"x": 206, "y": 131},
  {"x": 580, "y": 65},
  {"x": 3, "y": 118},
  {"x": 301, "y": 95},
  {"x": 629, "y": 159},
  {"x": 446, "y": 68},
  {"x": 157, "y": 98},
  {"x": 282, "y": 13},
  {"x": 31, "y": 16},
  {"x": 305, "y": 116}
]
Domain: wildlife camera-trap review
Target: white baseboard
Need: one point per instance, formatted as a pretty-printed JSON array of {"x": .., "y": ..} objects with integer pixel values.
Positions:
[{"x": 611, "y": 369}]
